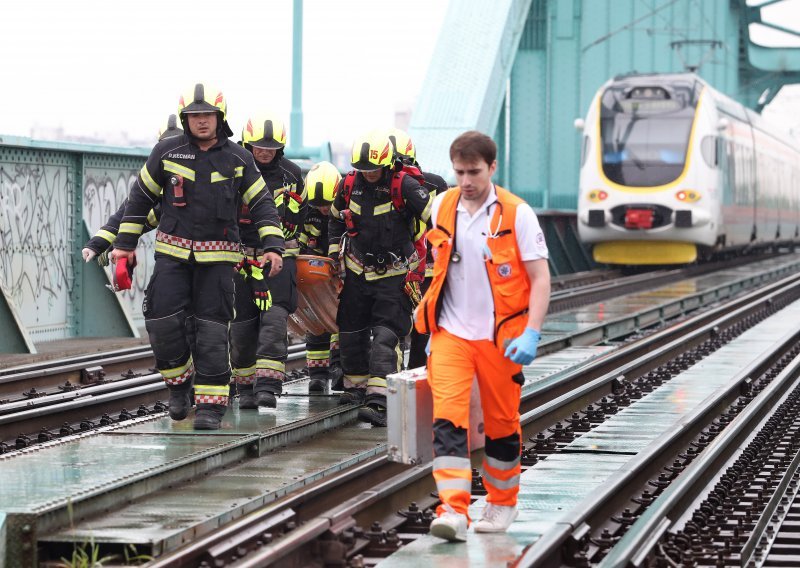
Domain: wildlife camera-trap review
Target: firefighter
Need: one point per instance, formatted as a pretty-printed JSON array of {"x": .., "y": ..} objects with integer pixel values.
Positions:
[
  {"x": 435, "y": 184},
  {"x": 199, "y": 178},
  {"x": 259, "y": 341},
  {"x": 322, "y": 351},
  {"x": 484, "y": 310},
  {"x": 376, "y": 209},
  {"x": 104, "y": 238}
]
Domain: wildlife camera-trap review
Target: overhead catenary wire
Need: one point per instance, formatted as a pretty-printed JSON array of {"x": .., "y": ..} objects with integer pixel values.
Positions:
[{"x": 627, "y": 26}]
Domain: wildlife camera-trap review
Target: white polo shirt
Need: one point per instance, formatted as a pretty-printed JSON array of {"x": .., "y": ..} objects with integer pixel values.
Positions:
[{"x": 468, "y": 308}]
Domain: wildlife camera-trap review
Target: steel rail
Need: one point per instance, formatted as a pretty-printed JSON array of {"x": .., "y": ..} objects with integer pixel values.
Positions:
[
  {"x": 585, "y": 384},
  {"x": 29, "y": 417},
  {"x": 74, "y": 363},
  {"x": 635, "y": 545},
  {"x": 581, "y": 295},
  {"x": 601, "y": 504},
  {"x": 232, "y": 535}
]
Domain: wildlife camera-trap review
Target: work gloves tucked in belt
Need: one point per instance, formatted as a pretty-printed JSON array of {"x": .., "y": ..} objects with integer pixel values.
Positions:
[
  {"x": 255, "y": 276},
  {"x": 522, "y": 350}
]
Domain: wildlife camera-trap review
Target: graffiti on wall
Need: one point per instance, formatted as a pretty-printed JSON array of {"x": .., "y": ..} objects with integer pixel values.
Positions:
[
  {"x": 104, "y": 190},
  {"x": 34, "y": 250}
]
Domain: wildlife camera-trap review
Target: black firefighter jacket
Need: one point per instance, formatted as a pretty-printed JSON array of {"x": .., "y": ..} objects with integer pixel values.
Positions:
[{"x": 201, "y": 193}]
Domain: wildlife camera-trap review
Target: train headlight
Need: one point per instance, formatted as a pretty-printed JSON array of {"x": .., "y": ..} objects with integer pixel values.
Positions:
[
  {"x": 687, "y": 196},
  {"x": 597, "y": 195}
]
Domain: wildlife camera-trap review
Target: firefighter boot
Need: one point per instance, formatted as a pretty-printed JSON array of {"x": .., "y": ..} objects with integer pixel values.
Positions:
[
  {"x": 352, "y": 395},
  {"x": 319, "y": 379},
  {"x": 208, "y": 416},
  {"x": 265, "y": 399},
  {"x": 180, "y": 401},
  {"x": 336, "y": 377},
  {"x": 266, "y": 389},
  {"x": 247, "y": 398},
  {"x": 374, "y": 410}
]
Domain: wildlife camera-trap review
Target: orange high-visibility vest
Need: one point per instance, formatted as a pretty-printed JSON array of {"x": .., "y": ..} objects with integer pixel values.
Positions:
[{"x": 508, "y": 277}]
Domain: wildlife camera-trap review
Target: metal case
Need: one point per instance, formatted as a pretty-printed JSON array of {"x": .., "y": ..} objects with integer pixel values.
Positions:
[{"x": 409, "y": 413}]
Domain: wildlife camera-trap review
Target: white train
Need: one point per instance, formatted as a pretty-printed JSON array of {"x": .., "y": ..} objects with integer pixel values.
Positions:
[{"x": 672, "y": 170}]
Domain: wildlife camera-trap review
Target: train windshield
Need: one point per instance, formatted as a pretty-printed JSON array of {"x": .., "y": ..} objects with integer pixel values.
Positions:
[{"x": 645, "y": 133}]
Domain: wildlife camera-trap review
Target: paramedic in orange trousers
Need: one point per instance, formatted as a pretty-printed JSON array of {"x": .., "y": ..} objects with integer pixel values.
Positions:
[{"x": 484, "y": 310}]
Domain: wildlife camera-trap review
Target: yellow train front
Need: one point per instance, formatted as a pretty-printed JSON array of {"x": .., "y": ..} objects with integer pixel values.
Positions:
[{"x": 672, "y": 170}]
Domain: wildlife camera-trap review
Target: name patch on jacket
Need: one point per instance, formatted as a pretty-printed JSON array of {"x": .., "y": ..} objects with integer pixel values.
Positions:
[{"x": 181, "y": 156}]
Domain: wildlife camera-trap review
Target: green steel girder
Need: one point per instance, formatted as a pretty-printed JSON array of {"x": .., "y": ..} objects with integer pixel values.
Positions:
[
  {"x": 296, "y": 148},
  {"x": 99, "y": 312},
  {"x": 567, "y": 253},
  {"x": 467, "y": 77},
  {"x": 51, "y": 190},
  {"x": 15, "y": 338},
  {"x": 764, "y": 70}
]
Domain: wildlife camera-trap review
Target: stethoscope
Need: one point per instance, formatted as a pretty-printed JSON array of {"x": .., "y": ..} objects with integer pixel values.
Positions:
[{"x": 455, "y": 256}]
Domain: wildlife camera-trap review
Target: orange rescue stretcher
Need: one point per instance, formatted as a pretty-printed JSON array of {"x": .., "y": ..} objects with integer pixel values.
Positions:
[{"x": 318, "y": 288}]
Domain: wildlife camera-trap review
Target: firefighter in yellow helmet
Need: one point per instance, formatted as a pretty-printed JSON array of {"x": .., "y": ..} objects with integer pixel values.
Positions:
[
  {"x": 259, "y": 341},
  {"x": 373, "y": 221},
  {"x": 322, "y": 351},
  {"x": 104, "y": 238},
  {"x": 435, "y": 184},
  {"x": 170, "y": 128},
  {"x": 199, "y": 178}
]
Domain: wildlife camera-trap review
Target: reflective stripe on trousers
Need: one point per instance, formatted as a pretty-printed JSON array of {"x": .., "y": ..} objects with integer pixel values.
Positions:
[
  {"x": 452, "y": 366},
  {"x": 453, "y": 477}
]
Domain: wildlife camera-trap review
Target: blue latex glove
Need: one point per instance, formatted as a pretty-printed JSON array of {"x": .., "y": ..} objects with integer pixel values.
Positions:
[{"x": 523, "y": 349}]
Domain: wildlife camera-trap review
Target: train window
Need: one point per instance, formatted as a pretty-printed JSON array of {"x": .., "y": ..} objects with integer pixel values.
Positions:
[
  {"x": 708, "y": 148},
  {"x": 643, "y": 146},
  {"x": 585, "y": 149}
]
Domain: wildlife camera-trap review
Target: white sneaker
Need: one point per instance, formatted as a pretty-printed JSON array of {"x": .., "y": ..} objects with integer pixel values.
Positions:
[
  {"x": 496, "y": 518},
  {"x": 450, "y": 525}
]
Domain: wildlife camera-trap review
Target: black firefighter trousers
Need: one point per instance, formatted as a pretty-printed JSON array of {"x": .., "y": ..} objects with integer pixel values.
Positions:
[
  {"x": 183, "y": 290},
  {"x": 379, "y": 308},
  {"x": 259, "y": 340}
]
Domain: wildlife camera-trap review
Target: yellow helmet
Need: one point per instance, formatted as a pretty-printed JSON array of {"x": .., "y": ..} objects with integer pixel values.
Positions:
[
  {"x": 169, "y": 128},
  {"x": 372, "y": 151},
  {"x": 204, "y": 98},
  {"x": 264, "y": 131},
  {"x": 321, "y": 183},
  {"x": 403, "y": 145}
]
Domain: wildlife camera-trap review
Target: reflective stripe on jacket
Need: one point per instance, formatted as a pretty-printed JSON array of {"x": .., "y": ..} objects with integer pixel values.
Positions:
[
  {"x": 200, "y": 193},
  {"x": 508, "y": 277}
]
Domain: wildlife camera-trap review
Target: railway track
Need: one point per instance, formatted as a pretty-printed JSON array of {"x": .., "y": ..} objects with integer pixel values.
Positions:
[
  {"x": 60, "y": 408},
  {"x": 43, "y": 401},
  {"x": 323, "y": 519},
  {"x": 362, "y": 526}
]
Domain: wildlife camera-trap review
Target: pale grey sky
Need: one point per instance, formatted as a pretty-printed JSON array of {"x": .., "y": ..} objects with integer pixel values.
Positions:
[
  {"x": 786, "y": 14},
  {"x": 100, "y": 66},
  {"x": 104, "y": 66}
]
